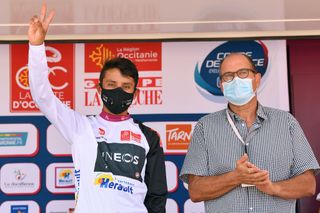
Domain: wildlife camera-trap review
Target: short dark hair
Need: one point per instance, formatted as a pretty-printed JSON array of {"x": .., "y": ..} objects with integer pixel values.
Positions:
[
  {"x": 245, "y": 55},
  {"x": 126, "y": 67}
]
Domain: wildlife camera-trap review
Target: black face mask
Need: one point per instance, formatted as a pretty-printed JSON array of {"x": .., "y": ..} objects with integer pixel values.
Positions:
[{"x": 116, "y": 100}]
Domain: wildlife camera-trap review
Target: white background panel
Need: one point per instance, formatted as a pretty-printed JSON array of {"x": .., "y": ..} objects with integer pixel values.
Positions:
[
  {"x": 61, "y": 206},
  {"x": 56, "y": 144},
  {"x": 4, "y": 80},
  {"x": 32, "y": 206},
  {"x": 31, "y": 144},
  {"x": 172, "y": 176},
  {"x": 53, "y": 175},
  {"x": 172, "y": 206},
  {"x": 180, "y": 90},
  {"x": 20, "y": 178},
  {"x": 191, "y": 207}
]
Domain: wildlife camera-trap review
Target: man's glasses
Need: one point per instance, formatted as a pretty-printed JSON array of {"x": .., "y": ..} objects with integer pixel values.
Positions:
[{"x": 241, "y": 73}]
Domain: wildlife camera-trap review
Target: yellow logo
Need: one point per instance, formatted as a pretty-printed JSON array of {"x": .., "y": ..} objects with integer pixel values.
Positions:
[
  {"x": 65, "y": 173},
  {"x": 102, "y": 178},
  {"x": 22, "y": 78},
  {"x": 101, "y": 55}
]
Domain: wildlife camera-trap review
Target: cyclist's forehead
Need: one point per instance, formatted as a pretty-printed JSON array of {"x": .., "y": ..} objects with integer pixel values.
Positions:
[{"x": 234, "y": 62}]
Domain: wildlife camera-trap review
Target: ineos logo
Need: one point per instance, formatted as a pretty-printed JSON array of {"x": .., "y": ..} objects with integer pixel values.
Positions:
[{"x": 120, "y": 157}]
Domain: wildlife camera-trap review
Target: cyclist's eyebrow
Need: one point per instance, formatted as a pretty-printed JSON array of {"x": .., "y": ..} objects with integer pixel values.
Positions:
[
  {"x": 110, "y": 81},
  {"x": 127, "y": 83}
]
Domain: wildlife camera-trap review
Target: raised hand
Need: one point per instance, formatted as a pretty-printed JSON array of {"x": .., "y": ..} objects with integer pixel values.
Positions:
[{"x": 38, "y": 26}]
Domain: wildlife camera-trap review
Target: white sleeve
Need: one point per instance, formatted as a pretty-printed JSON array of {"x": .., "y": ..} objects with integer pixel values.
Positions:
[{"x": 66, "y": 120}]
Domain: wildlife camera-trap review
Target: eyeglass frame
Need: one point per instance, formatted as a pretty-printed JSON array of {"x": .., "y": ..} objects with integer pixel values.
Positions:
[{"x": 237, "y": 73}]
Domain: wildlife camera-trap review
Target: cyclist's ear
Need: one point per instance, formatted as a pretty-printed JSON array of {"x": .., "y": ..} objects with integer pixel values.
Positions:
[
  {"x": 136, "y": 93},
  {"x": 98, "y": 86}
]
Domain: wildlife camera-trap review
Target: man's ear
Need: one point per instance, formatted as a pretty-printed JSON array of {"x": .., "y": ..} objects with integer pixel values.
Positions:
[{"x": 257, "y": 80}]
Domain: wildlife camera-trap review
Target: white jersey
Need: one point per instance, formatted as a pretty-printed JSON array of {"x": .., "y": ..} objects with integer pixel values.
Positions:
[{"x": 119, "y": 164}]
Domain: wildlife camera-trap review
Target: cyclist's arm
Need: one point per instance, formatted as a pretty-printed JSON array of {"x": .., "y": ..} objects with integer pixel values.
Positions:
[{"x": 62, "y": 117}]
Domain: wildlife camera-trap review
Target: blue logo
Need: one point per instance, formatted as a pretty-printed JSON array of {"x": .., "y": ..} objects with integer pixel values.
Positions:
[
  {"x": 13, "y": 138},
  {"x": 207, "y": 77},
  {"x": 107, "y": 181},
  {"x": 19, "y": 209}
]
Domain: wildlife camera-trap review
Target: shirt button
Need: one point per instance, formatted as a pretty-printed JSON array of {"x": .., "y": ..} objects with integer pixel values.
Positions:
[
  {"x": 250, "y": 208},
  {"x": 242, "y": 124}
]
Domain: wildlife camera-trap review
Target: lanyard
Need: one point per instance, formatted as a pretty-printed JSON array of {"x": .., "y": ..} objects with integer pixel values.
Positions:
[{"x": 235, "y": 130}]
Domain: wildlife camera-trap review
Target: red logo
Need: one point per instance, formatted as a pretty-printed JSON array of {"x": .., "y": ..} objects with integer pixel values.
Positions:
[
  {"x": 102, "y": 131},
  {"x": 145, "y": 55},
  {"x": 125, "y": 135},
  {"x": 150, "y": 91},
  {"x": 60, "y": 59},
  {"x": 178, "y": 136},
  {"x": 136, "y": 137},
  {"x": 91, "y": 94}
]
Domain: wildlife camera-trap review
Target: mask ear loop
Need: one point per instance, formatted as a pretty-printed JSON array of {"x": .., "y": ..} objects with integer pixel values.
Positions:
[{"x": 255, "y": 91}]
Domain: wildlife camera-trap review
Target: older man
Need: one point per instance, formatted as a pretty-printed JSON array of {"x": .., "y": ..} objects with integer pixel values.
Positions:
[{"x": 248, "y": 158}]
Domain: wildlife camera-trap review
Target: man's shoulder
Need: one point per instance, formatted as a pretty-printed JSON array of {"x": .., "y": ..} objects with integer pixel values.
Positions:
[
  {"x": 277, "y": 115},
  {"x": 213, "y": 117},
  {"x": 271, "y": 111}
]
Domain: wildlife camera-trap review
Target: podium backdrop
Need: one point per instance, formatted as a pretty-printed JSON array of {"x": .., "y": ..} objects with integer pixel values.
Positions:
[{"x": 178, "y": 85}]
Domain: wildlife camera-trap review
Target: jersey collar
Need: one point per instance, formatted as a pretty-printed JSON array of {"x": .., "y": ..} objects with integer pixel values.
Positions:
[{"x": 114, "y": 118}]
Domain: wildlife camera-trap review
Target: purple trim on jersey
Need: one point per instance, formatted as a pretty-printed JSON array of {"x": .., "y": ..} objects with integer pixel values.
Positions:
[{"x": 111, "y": 117}]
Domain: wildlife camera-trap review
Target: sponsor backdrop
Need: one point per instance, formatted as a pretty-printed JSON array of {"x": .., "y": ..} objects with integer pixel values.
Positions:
[{"x": 178, "y": 85}]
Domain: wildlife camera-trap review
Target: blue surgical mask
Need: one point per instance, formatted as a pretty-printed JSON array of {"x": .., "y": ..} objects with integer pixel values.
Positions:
[{"x": 238, "y": 91}]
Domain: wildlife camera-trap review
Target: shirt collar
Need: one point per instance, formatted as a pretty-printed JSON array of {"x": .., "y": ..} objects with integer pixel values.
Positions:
[
  {"x": 114, "y": 118},
  {"x": 260, "y": 114}
]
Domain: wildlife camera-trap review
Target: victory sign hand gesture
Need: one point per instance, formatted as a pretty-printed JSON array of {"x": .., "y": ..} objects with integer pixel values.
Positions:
[{"x": 38, "y": 26}]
